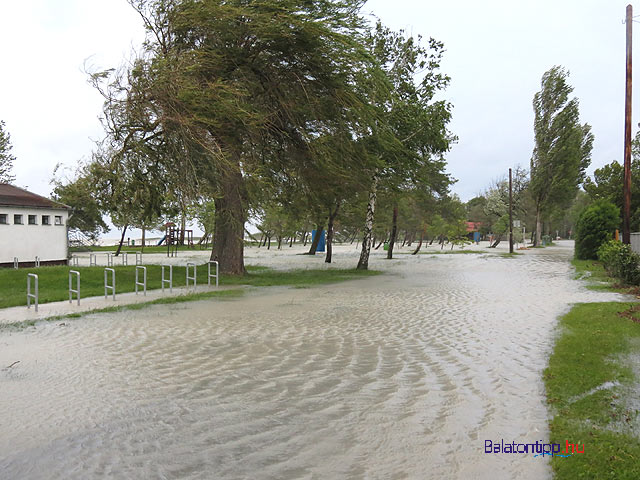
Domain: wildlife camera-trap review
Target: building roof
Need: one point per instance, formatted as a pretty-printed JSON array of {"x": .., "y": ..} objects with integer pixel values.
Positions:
[
  {"x": 12, "y": 196},
  {"x": 473, "y": 226}
]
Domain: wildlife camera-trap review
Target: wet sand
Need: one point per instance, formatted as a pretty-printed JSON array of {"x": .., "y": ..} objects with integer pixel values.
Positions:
[{"x": 403, "y": 375}]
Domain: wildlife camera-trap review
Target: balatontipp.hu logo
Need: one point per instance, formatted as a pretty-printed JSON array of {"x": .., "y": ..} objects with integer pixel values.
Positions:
[{"x": 539, "y": 449}]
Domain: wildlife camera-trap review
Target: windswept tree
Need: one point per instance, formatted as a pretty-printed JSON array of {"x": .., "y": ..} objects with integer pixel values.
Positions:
[
  {"x": 410, "y": 134},
  {"x": 562, "y": 149},
  {"x": 6, "y": 158},
  {"x": 247, "y": 87}
]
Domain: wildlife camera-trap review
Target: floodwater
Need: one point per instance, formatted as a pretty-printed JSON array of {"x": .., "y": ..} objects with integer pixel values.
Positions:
[{"x": 403, "y": 375}]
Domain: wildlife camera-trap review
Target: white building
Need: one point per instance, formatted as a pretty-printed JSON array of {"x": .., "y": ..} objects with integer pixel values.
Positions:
[{"x": 31, "y": 226}]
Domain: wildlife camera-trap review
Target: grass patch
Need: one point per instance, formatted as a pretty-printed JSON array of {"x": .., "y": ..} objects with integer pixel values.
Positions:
[
  {"x": 53, "y": 281},
  {"x": 599, "y": 280},
  {"x": 510, "y": 255},
  {"x": 589, "y": 353}
]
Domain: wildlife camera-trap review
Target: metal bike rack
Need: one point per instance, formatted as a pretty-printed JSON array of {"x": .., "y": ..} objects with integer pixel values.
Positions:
[
  {"x": 138, "y": 258},
  {"x": 74, "y": 261},
  {"x": 29, "y": 294},
  {"x": 109, "y": 259},
  {"x": 37, "y": 262},
  {"x": 142, "y": 284},
  {"x": 194, "y": 274},
  {"x": 167, "y": 280},
  {"x": 16, "y": 263},
  {"x": 93, "y": 260},
  {"x": 209, "y": 276},
  {"x": 125, "y": 258},
  {"x": 111, "y": 287},
  {"x": 77, "y": 289}
]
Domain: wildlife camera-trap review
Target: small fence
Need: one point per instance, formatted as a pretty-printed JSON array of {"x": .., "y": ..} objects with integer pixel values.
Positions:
[
  {"x": 77, "y": 289},
  {"x": 167, "y": 280},
  {"x": 192, "y": 278},
  {"x": 110, "y": 279},
  {"x": 30, "y": 295},
  {"x": 111, "y": 286},
  {"x": 142, "y": 284}
]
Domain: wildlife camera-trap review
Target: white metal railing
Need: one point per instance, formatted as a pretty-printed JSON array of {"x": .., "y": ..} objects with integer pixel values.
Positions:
[
  {"x": 93, "y": 261},
  {"x": 77, "y": 289},
  {"x": 125, "y": 258},
  {"x": 193, "y": 278},
  {"x": 142, "y": 284},
  {"x": 74, "y": 261},
  {"x": 111, "y": 287},
  {"x": 167, "y": 280},
  {"x": 109, "y": 259},
  {"x": 29, "y": 294},
  {"x": 37, "y": 262},
  {"x": 209, "y": 276},
  {"x": 16, "y": 263},
  {"x": 138, "y": 258}
]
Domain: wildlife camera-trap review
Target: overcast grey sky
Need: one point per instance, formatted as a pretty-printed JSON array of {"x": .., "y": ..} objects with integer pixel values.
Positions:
[{"x": 496, "y": 53}]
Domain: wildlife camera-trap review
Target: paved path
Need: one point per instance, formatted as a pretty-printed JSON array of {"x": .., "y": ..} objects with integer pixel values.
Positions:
[{"x": 54, "y": 309}]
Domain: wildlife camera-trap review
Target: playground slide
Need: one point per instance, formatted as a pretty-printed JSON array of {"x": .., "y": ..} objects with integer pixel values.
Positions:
[{"x": 162, "y": 240}]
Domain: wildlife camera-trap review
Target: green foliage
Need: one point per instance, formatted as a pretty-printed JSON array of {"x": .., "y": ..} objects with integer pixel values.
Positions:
[
  {"x": 6, "y": 159},
  {"x": 80, "y": 195},
  {"x": 607, "y": 184},
  {"x": 595, "y": 226},
  {"x": 620, "y": 262}
]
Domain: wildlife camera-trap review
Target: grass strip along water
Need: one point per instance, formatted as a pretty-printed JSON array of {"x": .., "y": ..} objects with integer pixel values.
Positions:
[
  {"x": 592, "y": 385},
  {"x": 54, "y": 281}
]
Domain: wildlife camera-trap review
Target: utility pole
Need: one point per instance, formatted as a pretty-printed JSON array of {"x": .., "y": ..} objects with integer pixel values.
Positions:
[
  {"x": 510, "y": 213},
  {"x": 626, "y": 214}
]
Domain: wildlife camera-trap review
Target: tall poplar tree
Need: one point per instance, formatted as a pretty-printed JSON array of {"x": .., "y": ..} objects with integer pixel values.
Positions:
[
  {"x": 6, "y": 159},
  {"x": 562, "y": 149}
]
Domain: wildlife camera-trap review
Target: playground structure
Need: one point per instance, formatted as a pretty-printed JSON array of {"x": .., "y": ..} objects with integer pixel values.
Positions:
[{"x": 175, "y": 237}]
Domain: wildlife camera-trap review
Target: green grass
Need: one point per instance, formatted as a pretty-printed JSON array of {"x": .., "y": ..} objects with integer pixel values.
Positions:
[
  {"x": 590, "y": 351},
  {"x": 594, "y": 271},
  {"x": 53, "y": 281}
]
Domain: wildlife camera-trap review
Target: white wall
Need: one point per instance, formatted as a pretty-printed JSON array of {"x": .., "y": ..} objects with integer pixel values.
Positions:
[{"x": 49, "y": 242}]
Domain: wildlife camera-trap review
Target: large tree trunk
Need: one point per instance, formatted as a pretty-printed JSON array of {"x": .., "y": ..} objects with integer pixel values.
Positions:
[
  {"x": 332, "y": 217},
  {"x": 363, "y": 263},
  {"x": 316, "y": 240},
  {"x": 394, "y": 232},
  {"x": 230, "y": 217},
  {"x": 143, "y": 239},
  {"x": 124, "y": 230}
]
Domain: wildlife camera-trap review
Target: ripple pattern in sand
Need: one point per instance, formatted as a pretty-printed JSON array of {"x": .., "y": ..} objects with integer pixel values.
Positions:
[{"x": 399, "y": 376}]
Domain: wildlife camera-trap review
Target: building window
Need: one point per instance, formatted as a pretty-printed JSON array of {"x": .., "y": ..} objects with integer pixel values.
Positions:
[
  {"x": 33, "y": 219},
  {"x": 17, "y": 219},
  {"x": 3, "y": 219},
  {"x": 58, "y": 219},
  {"x": 45, "y": 220}
]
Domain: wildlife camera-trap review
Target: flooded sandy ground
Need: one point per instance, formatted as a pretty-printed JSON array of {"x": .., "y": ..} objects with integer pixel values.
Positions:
[{"x": 403, "y": 375}]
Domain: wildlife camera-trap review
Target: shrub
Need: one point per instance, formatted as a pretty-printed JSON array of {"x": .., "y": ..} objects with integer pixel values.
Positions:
[
  {"x": 595, "y": 226},
  {"x": 620, "y": 262}
]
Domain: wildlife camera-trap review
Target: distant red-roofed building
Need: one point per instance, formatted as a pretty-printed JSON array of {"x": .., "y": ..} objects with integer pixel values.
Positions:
[{"x": 473, "y": 226}]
